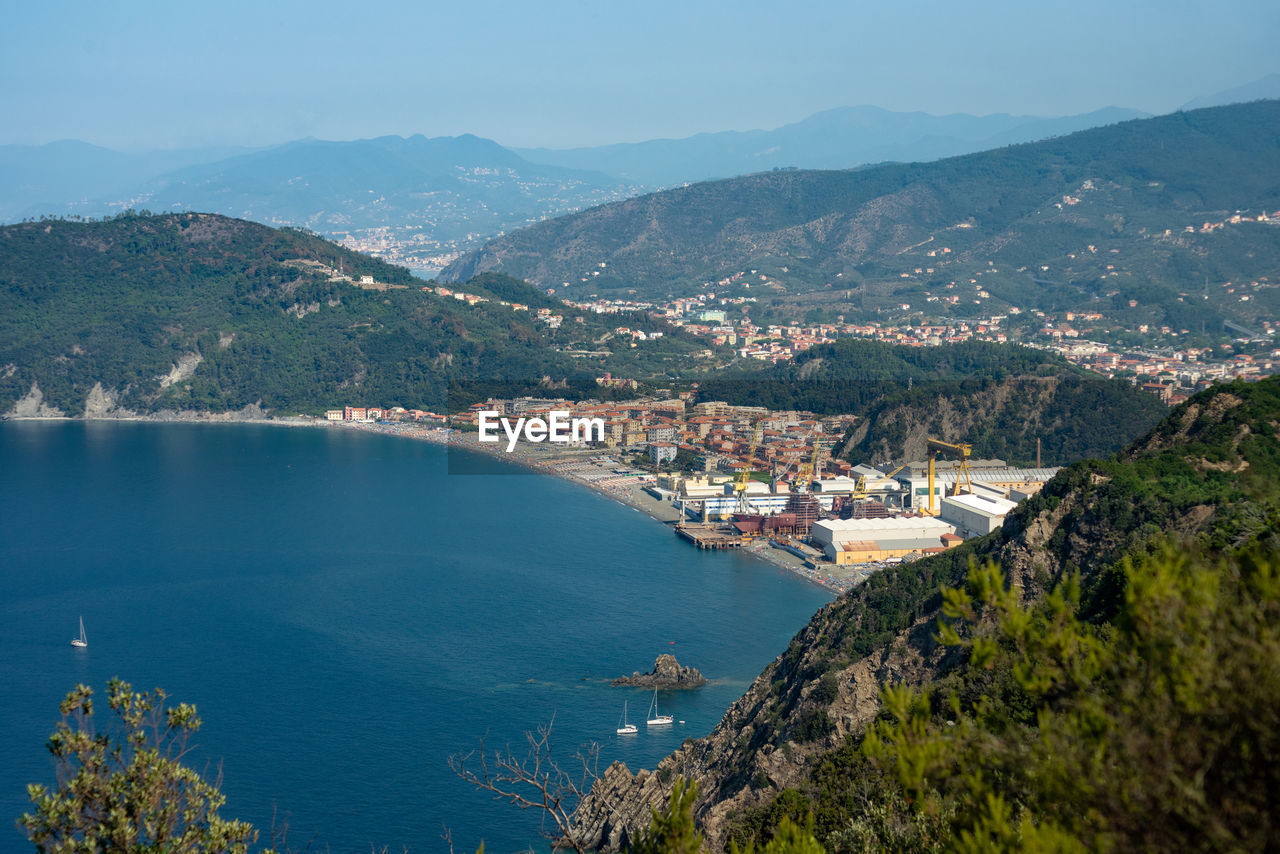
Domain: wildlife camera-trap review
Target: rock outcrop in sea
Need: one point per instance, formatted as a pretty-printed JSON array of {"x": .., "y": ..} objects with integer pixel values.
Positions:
[{"x": 667, "y": 673}]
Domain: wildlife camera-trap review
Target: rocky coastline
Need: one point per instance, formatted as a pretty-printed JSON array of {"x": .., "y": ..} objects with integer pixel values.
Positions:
[{"x": 667, "y": 674}]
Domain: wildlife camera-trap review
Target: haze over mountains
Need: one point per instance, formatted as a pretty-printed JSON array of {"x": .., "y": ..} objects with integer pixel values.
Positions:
[
  {"x": 1264, "y": 87},
  {"x": 70, "y": 176},
  {"x": 833, "y": 139},
  {"x": 450, "y": 186},
  {"x": 453, "y": 187},
  {"x": 430, "y": 198}
]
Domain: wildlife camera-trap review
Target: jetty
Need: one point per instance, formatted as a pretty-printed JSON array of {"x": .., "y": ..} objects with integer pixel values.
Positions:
[{"x": 710, "y": 536}]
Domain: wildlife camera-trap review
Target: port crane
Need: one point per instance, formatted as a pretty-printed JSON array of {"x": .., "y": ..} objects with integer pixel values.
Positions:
[
  {"x": 743, "y": 505},
  {"x": 862, "y": 489},
  {"x": 805, "y": 476},
  {"x": 937, "y": 446}
]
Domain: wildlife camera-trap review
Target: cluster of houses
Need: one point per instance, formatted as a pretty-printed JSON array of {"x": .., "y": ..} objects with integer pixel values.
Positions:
[{"x": 860, "y": 514}]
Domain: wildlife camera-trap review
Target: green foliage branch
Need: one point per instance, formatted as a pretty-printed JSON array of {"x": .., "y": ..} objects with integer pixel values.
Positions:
[
  {"x": 1158, "y": 731},
  {"x": 125, "y": 788}
]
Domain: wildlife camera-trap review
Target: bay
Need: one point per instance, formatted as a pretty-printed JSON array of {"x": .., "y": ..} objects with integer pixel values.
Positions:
[{"x": 346, "y": 616}]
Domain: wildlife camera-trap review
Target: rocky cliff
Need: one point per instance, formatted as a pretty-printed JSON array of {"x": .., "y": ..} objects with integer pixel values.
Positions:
[{"x": 1197, "y": 475}]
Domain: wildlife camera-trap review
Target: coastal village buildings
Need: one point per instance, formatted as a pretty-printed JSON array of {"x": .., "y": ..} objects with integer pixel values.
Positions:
[
  {"x": 828, "y": 510},
  {"x": 1172, "y": 373}
]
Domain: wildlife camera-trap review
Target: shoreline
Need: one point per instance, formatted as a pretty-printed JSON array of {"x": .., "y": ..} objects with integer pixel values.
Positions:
[
  {"x": 553, "y": 463},
  {"x": 557, "y": 463}
]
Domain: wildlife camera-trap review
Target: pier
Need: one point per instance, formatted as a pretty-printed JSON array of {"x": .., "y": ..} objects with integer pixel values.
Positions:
[{"x": 709, "y": 537}]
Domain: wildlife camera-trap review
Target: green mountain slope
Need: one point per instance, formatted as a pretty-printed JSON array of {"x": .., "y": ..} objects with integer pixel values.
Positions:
[
  {"x": 1000, "y": 398},
  {"x": 202, "y": 312},
  {"x": 1073, "y": 416},
  {"x": 1138, "y": 651},
  {"x": 1086, "y": 221}
]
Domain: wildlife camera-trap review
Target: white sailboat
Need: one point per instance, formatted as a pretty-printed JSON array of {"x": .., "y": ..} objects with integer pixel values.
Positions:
[
  {"x": 82, "y": 640},
  {"x": 656, "y": 719},
  {"x": 624, "y": 727}
]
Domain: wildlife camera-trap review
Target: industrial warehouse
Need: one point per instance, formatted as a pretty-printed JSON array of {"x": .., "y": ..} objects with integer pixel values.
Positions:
[{"x": 866, "y": 517}]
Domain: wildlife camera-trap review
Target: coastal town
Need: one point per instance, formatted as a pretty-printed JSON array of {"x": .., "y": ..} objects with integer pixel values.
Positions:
[
  {"x": 729, "y": 477},
  {"x": 1172, "y": 373},
  {"x": 944, "y": 295}
]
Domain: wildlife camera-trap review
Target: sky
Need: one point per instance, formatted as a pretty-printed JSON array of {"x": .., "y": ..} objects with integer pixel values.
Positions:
[{"x": 139, "y": 75}]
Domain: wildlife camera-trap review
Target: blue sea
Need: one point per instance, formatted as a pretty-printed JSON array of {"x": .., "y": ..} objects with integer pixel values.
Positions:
[{"x": 346, "y": 615}]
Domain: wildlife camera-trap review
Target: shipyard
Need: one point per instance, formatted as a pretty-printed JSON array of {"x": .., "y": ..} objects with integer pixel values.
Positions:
[{"x": 776, "y": 484}]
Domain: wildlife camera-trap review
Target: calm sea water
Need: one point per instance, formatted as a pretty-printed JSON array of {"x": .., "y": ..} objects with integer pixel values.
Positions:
[{"x": 346, "y": 616}]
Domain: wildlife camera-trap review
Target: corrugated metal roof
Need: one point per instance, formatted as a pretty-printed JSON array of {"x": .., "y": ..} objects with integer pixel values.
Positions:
[
  {"x": 910, "y": 543},
  {"x": 987, "y": 506},
  {"x": 897, "y": 523},
  {"x": 858, "y": 546},
  {"x": 1007, "y": 474}
]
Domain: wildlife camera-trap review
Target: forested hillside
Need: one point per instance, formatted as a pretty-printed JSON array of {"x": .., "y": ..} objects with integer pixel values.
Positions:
[
  {"x": 1097, "y": 674},
  {"x": 1073, "y": 416},
  {"x": 1088, "y": 221},
  {"x": 851, "y": 374},
  {"x": 1000, "y": 398},
  {"x": 202, "y": 312}
]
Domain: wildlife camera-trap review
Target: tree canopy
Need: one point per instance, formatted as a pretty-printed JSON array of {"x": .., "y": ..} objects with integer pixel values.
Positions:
[{"x": 125, "y": 787}]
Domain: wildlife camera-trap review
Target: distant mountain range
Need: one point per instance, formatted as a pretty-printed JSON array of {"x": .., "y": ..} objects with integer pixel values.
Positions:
[
  {"x": 450, "y": 188},
  {"x": 447, "y": 193},
  {"x": 1263, "y": 87},
  {"x": 1095, "y": 219},
  {"x": 834, "y": 139},
  {"x": 70, "y": 176},
  {"x": 465, "y": 189}
]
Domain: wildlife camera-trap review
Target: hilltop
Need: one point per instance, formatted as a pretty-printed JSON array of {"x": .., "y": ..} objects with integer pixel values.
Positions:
[
  {"x": 201, "y": 312},
  {"x": 412, "y": 200},
  {"x": 451, "y": 187},
  {"x": 1082, "y": 560},
  {"x": 1141, "y": 222}
]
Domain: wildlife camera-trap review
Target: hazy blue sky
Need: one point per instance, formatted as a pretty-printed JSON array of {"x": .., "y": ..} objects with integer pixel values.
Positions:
[{"x": 559, "y": 73}]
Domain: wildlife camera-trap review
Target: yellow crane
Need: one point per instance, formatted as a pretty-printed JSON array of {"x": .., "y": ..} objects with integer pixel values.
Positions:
[
  {"x": 741, "y": 486},
  {"x": 862, "y": 489},
  {"x": 805, "y": 475},
  {"x": 937, "y": 446}
]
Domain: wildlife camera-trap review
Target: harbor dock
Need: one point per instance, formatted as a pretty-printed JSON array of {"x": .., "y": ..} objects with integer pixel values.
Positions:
[{"x": 710, "y": 537}]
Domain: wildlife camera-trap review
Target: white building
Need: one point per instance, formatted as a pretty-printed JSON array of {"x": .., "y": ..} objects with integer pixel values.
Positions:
[
  {"x": 975, "y": 515},
  {"x": 862, "y": 540},
  {"x": 999, "y": 479},
  {"x": 662, "y": 452}
]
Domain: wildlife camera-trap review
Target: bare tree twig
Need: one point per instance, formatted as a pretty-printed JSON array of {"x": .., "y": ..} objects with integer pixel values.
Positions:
[{"x": 536, "y": 780}]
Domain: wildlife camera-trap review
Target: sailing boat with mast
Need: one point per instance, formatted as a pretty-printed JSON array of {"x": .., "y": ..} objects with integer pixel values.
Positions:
[
  {"x": 624, "y": 726},
  {"x": 656, "y": 719},
  {"x": 82, "y": 640}
]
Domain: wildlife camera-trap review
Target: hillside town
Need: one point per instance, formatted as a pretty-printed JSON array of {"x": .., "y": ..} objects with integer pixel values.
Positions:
[{"x": 1171, "y": 373}]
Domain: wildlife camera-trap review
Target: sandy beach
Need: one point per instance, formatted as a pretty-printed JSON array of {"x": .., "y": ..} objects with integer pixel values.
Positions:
[{"x": 584, "y": 466}]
